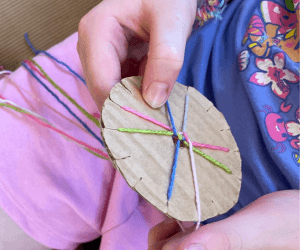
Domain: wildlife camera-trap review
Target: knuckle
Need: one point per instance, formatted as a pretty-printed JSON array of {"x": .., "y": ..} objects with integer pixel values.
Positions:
[
  {"x": 82, "y": 24},
  {"x": 82, "y": 32},
  {"x": 170, "y": 53},
  {"x": 78, "y": 48}
]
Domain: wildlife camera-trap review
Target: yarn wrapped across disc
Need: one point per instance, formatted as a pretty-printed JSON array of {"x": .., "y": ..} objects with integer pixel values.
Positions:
[{"x": 145, "y": 160}]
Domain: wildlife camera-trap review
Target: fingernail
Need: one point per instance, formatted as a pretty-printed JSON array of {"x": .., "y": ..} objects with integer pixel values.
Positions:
[
  {"x": 156, "y": 94},
  {"x": 196, "y": 247}
]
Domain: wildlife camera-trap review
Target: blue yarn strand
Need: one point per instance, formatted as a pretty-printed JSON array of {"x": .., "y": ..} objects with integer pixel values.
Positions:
[
  {"x": 63, "y": 104},
  {"x": 30, "y": 44},
  {"x": 171, "y": 118},
  {"x": 172, "y": 179},
  {"x": 53, "y": 58},
  {"x": 64, "y": 64}
]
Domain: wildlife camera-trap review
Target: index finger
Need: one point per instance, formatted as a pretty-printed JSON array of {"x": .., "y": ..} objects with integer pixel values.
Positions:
[
  {"x": 163, "y": 231},
  {"x": 102, "y": 45}
]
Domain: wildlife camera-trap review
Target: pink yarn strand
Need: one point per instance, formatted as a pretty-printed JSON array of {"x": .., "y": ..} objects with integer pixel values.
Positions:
[
  {"x": 196, "y": 144},
  {"x": 34, "y": 96},
  {"x": 186, "y": 136},
  {"x": 34, "y": 68},
  {"x": 42, "y": 121},
  {"x": 146, "y": 117},
  {"x": 95, "y": 150},
  {"x": 202, "y": 145}
]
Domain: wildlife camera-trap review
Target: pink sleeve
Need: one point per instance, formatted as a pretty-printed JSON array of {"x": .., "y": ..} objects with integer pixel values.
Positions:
[{"x": 57, "y": 192}]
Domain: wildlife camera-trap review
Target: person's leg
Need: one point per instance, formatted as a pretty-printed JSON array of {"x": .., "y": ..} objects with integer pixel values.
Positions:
[{"x": 13, "y": 237}]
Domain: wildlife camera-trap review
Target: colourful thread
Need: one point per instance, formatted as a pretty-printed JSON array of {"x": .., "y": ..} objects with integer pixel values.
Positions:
[
  {"x": 187, "y": 143},
  {"x": 30, "y": 44},
  {"x": 202, "y": 145},
  {"x": 63, "y": 92},
  {"x": 162, "y": 132},
  {"x": 35, "y": 51},
  {"x": 63, "y": 104},
  {"x": 34, "y": 68},
  {"x": 172, "y": 179},
  {"x": 96, "y": 115},
  {"x": 146, "y": 117},
  {"x": 39, "y": 100},
  {"x": 64, "y": 64},
  {"x": 171, "y": 118},
  {"x": 145, "y": 131},
  {"x": 210, "y": 159},
  {"x": 4, "y": 102},
  {"x": 186, "y": 106},
  {"x": 93, "y": 150},
  {"x": 198, "y": 205},
  {"x": 44, "y": 122},
  {"x": 185, "y": 118},
  {"x": 186, "y": 137},
  {"x": 97, "y": 155},
  {"x": 3, "y": 86},
  {"x": 5, "y": 72}
]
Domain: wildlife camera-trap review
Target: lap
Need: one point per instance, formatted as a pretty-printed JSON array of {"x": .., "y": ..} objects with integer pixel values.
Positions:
[{"x": 13, "y": 237}]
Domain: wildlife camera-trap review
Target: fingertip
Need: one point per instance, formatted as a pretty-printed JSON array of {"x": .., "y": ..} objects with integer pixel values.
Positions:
[
  {"x": 159, "y": 78},
  {"x": 156, "y": 94}
]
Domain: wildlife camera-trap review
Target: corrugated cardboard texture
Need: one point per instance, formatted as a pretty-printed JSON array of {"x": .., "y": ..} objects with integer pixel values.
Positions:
[
  {"x": 145, "y": 160},
  {"x": 47, "y": 22}
]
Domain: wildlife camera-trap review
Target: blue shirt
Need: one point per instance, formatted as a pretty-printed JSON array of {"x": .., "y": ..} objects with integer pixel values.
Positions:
[{"x": 247, "y": 64}]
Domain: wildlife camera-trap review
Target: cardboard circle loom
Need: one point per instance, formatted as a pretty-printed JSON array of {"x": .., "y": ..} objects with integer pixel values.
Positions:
[{"x": 145, "y": 160}]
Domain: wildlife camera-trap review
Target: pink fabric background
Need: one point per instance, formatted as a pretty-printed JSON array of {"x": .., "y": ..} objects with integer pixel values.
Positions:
[{"x": 57, "y": 192}]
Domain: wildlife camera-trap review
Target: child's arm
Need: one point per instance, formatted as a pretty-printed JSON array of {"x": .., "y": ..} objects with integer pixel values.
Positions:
[
  {"x": 107, "y": 31},
  {"x": 270, "y": 222}
]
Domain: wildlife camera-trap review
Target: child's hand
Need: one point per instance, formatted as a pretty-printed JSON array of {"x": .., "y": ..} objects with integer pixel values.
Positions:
[
  {"x": 107, "y": 33},
  {"x": 270, "y": 222}
]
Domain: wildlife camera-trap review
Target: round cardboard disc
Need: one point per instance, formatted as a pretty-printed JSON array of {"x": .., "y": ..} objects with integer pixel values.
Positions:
[{"x": 145, "y": 160}]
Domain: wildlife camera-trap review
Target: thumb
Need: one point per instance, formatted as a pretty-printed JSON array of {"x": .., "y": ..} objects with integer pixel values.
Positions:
[
  {"x": 206, "y": 238},
  {"x": 270, "y": 222},
  {"x": 170, "y": 27}
]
